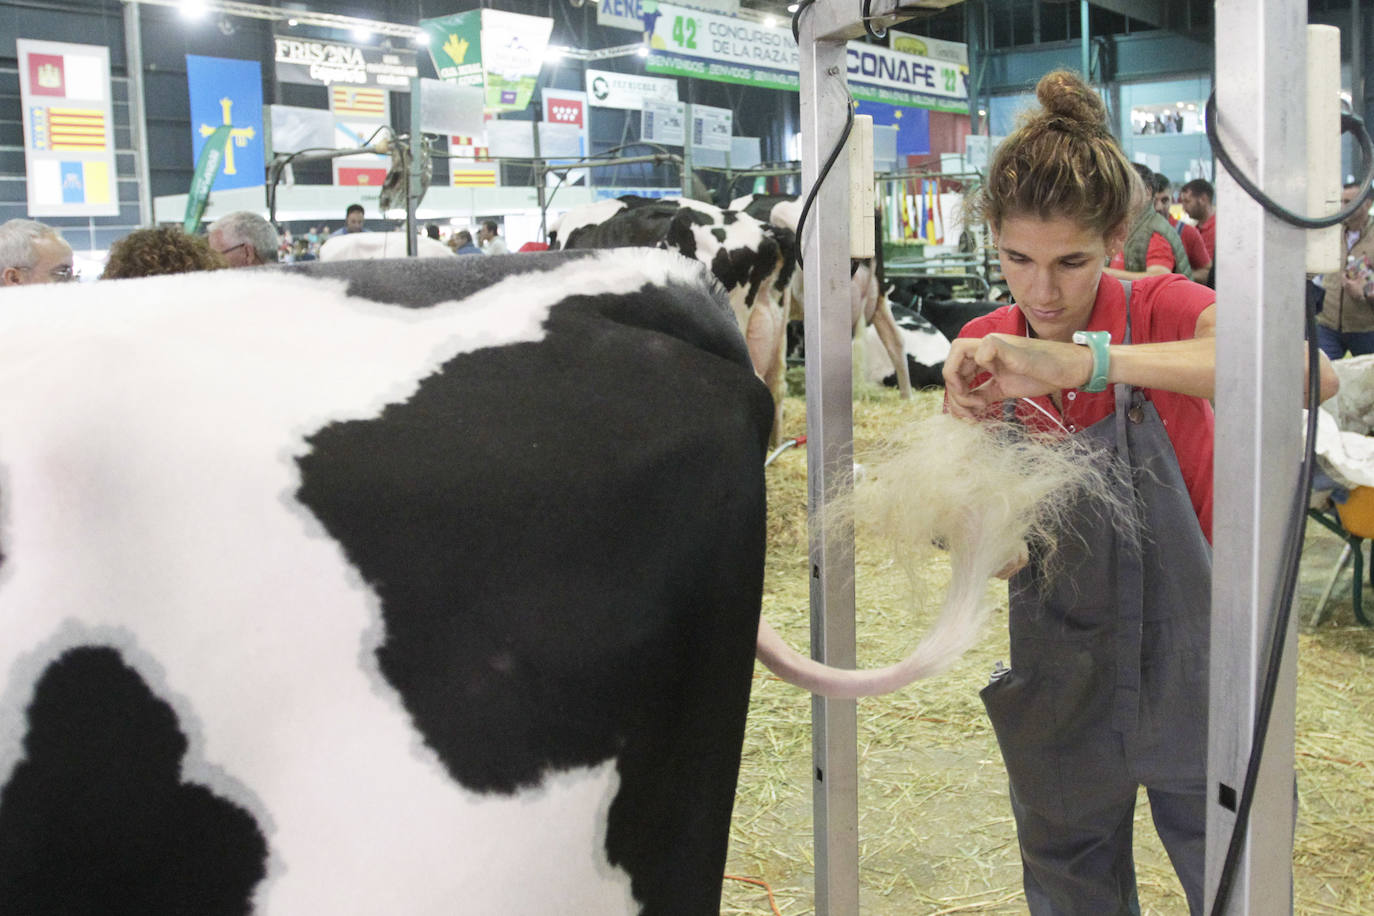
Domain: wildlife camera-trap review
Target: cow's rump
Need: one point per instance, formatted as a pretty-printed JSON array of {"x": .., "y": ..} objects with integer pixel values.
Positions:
[{"x": 377, "y": 587}]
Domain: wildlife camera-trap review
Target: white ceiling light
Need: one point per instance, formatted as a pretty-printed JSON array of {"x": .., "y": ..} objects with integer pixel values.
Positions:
[
  {"x": 793, "y": 7},
  {"x": 192, "y": 9},
  {"x": 770, "y": 21},
  {"x": 361, "y": 34},
  {"x": 642, "y": 51}
]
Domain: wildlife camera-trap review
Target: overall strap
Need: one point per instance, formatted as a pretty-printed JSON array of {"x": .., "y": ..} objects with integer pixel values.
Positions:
[{"x": 1130, "y": 582}]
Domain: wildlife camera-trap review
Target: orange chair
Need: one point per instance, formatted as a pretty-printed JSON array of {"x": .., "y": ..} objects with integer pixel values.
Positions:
[{"x": 1353, "y": 522}]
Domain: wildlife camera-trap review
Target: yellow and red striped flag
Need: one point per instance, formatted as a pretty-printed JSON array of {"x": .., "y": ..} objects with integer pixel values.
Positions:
[
  {"x": 358, "y": 103},
  {"x": 76, "y": 129}
]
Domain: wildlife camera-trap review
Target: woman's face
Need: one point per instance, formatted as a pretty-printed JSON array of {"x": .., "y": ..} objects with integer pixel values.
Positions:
[{"x": 1052, "y": 267}]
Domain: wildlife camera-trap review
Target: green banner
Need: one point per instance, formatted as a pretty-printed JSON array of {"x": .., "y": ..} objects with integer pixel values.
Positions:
[
  {"x": 207, "y": 170},
  {"x": 455, "y": 46}
]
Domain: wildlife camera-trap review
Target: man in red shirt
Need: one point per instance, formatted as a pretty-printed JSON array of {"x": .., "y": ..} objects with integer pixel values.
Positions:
[
  {"x": 1199, "y": 258},
  {"x": 1197, "y": 198}
]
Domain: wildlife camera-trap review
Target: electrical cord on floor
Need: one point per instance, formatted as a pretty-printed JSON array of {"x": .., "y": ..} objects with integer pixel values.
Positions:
[{"x": 1281, "y": 612}]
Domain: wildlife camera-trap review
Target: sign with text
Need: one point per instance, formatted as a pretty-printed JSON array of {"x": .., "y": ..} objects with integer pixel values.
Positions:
[
  {"x": 328, "y": 63},
  {"x": 687, "y": 42},
  {"x": 664, "y": 122},
  {"x": 712, "y": 127},
  {"x": 621, "y": 14},
  {"x": 69, "y": 156},
  {"x": 627, "y": 90}
]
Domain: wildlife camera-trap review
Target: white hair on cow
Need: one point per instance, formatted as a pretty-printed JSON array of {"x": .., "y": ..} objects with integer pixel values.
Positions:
[{"x": 985, "y": 493}]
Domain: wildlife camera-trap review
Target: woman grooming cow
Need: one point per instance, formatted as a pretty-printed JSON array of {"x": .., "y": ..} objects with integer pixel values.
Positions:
[{"x": 1107, "y": 688}]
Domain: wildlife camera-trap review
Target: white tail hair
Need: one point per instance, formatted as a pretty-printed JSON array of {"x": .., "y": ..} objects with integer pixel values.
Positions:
[{"x": 983, "y": 492}]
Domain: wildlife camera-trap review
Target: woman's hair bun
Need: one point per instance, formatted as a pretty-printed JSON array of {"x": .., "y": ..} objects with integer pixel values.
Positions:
[{"x": 1065, "y": 96}]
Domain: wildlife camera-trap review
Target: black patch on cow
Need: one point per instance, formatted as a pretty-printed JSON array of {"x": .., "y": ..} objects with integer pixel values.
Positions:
[
  {"x": 719, "y": 234},
  {"x": 566, "y": 538},
  {"x": 729, "y": 218},
  {"x": 95, "y": 818},
  {"x": 425, "y": 282}
]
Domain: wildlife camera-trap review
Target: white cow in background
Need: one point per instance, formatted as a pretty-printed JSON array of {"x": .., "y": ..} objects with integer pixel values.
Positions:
[{"x": 354, "y": 246}]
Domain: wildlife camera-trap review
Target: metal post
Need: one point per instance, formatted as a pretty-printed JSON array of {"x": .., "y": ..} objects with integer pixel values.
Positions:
[
  {"x": 138, "y": 119},
  {"x": 686, "y": 175},
  {"x": 830, "y": 459},
  {"x": 414, "y": 159},
  {"x": 1084, "y": 41},
  {"x": 1260, "y": 86}
]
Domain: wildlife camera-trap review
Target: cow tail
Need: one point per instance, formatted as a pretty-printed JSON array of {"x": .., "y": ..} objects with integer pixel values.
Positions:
[{"x": 961, "y": 618}]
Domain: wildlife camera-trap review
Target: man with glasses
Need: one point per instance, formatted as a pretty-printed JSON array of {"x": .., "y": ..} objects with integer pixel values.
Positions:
[
  {"x": 31, "y": 252},
  {"x": 245, "y": 239}
]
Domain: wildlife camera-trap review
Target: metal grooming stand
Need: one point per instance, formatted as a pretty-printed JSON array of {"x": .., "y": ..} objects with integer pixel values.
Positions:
[
  {"x": 823, "y": 30},
  {"x": 1260, "y": 86}
]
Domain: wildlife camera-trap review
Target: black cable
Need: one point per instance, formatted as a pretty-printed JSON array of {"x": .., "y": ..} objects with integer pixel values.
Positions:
[
  {"x": 875, "y": 34},
  {"x": 825, "y": 170},
  {"x": 802, "y": 7},
  {"x": 1282, "y": 612},
  {"x": 1350, "y": 124}
]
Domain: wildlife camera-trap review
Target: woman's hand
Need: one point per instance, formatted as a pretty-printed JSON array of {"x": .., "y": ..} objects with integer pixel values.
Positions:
[{"x": 980, "y": 372}]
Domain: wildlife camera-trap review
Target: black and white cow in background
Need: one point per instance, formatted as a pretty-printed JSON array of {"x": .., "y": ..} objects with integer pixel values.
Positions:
[
  {"x": 868, "y": 304},
  {"x": 315, "y": 598},
  {"x": 753, "y": 261},
  {"x": 933, "y": 299}
]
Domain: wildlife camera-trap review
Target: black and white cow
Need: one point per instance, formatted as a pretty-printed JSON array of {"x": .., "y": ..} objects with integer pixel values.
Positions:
[
  {"x": 868, "y": 304},
  {"x": 316, "y": 598},
  {"x": 753, "y": 261},
  {"x": 925, "y": 347}
]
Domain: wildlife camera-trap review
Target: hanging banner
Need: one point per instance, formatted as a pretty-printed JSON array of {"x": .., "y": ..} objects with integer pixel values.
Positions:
[
  {"x": 621, "y": 14},
  {"x": 361, "y": 116},
  {"x": 502, "y": 52},
  {"x": 956, "y": 52},
  {"x": 69, "y": 158},
  {"x": 327, "y": 63},
  {"x": 207, "y": 167},
  {"x": 228, "y": 93},
  {"x": 687, "y": 42},
  {"x": 627, "y": 90}
]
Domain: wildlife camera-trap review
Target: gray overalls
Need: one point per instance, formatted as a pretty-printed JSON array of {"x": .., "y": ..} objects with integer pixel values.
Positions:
[{"x": 1107, "y": 688}]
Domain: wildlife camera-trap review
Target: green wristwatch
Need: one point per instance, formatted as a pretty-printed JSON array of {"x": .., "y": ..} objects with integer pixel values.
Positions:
[{"x": 1097, "y": 342}]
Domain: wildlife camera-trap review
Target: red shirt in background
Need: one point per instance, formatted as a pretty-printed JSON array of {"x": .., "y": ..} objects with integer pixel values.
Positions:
[
  {"x": 1198, "y": 255},
  {"x": 1159, "y": 252},
  {"x": 1208, "y": 229},
  {"x": 1163, "y": 308}
]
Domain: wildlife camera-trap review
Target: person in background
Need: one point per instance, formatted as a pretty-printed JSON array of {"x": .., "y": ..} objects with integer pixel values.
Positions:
[
  {"x": 461, "y": 243},
  {"x": 1151, "y": 245},
  {"x": 161, "y": 250},
  {"x": 1197, "y": 198},
  {"x": 31, "y": 252},
  {"x": 244, "y": 239},
  {"x": 1198, "y": 258},
  {"x": 1346, "y": 320},
  {"x": 353, "y": 220},
  {"x": 432, "y": 231},
  {"x": 491, "y": 241}
]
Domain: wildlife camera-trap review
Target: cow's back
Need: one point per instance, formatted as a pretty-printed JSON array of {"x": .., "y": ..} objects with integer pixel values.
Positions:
[{"x": 376, "y": 588}]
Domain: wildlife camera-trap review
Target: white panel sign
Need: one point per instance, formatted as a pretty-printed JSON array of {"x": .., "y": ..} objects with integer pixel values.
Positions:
[
  {"x": 448, "y": 108},
  {"x": 664, "y": 122},
  {"x": 627, "y": 90},
  {"x": 712, "y": 127}
]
